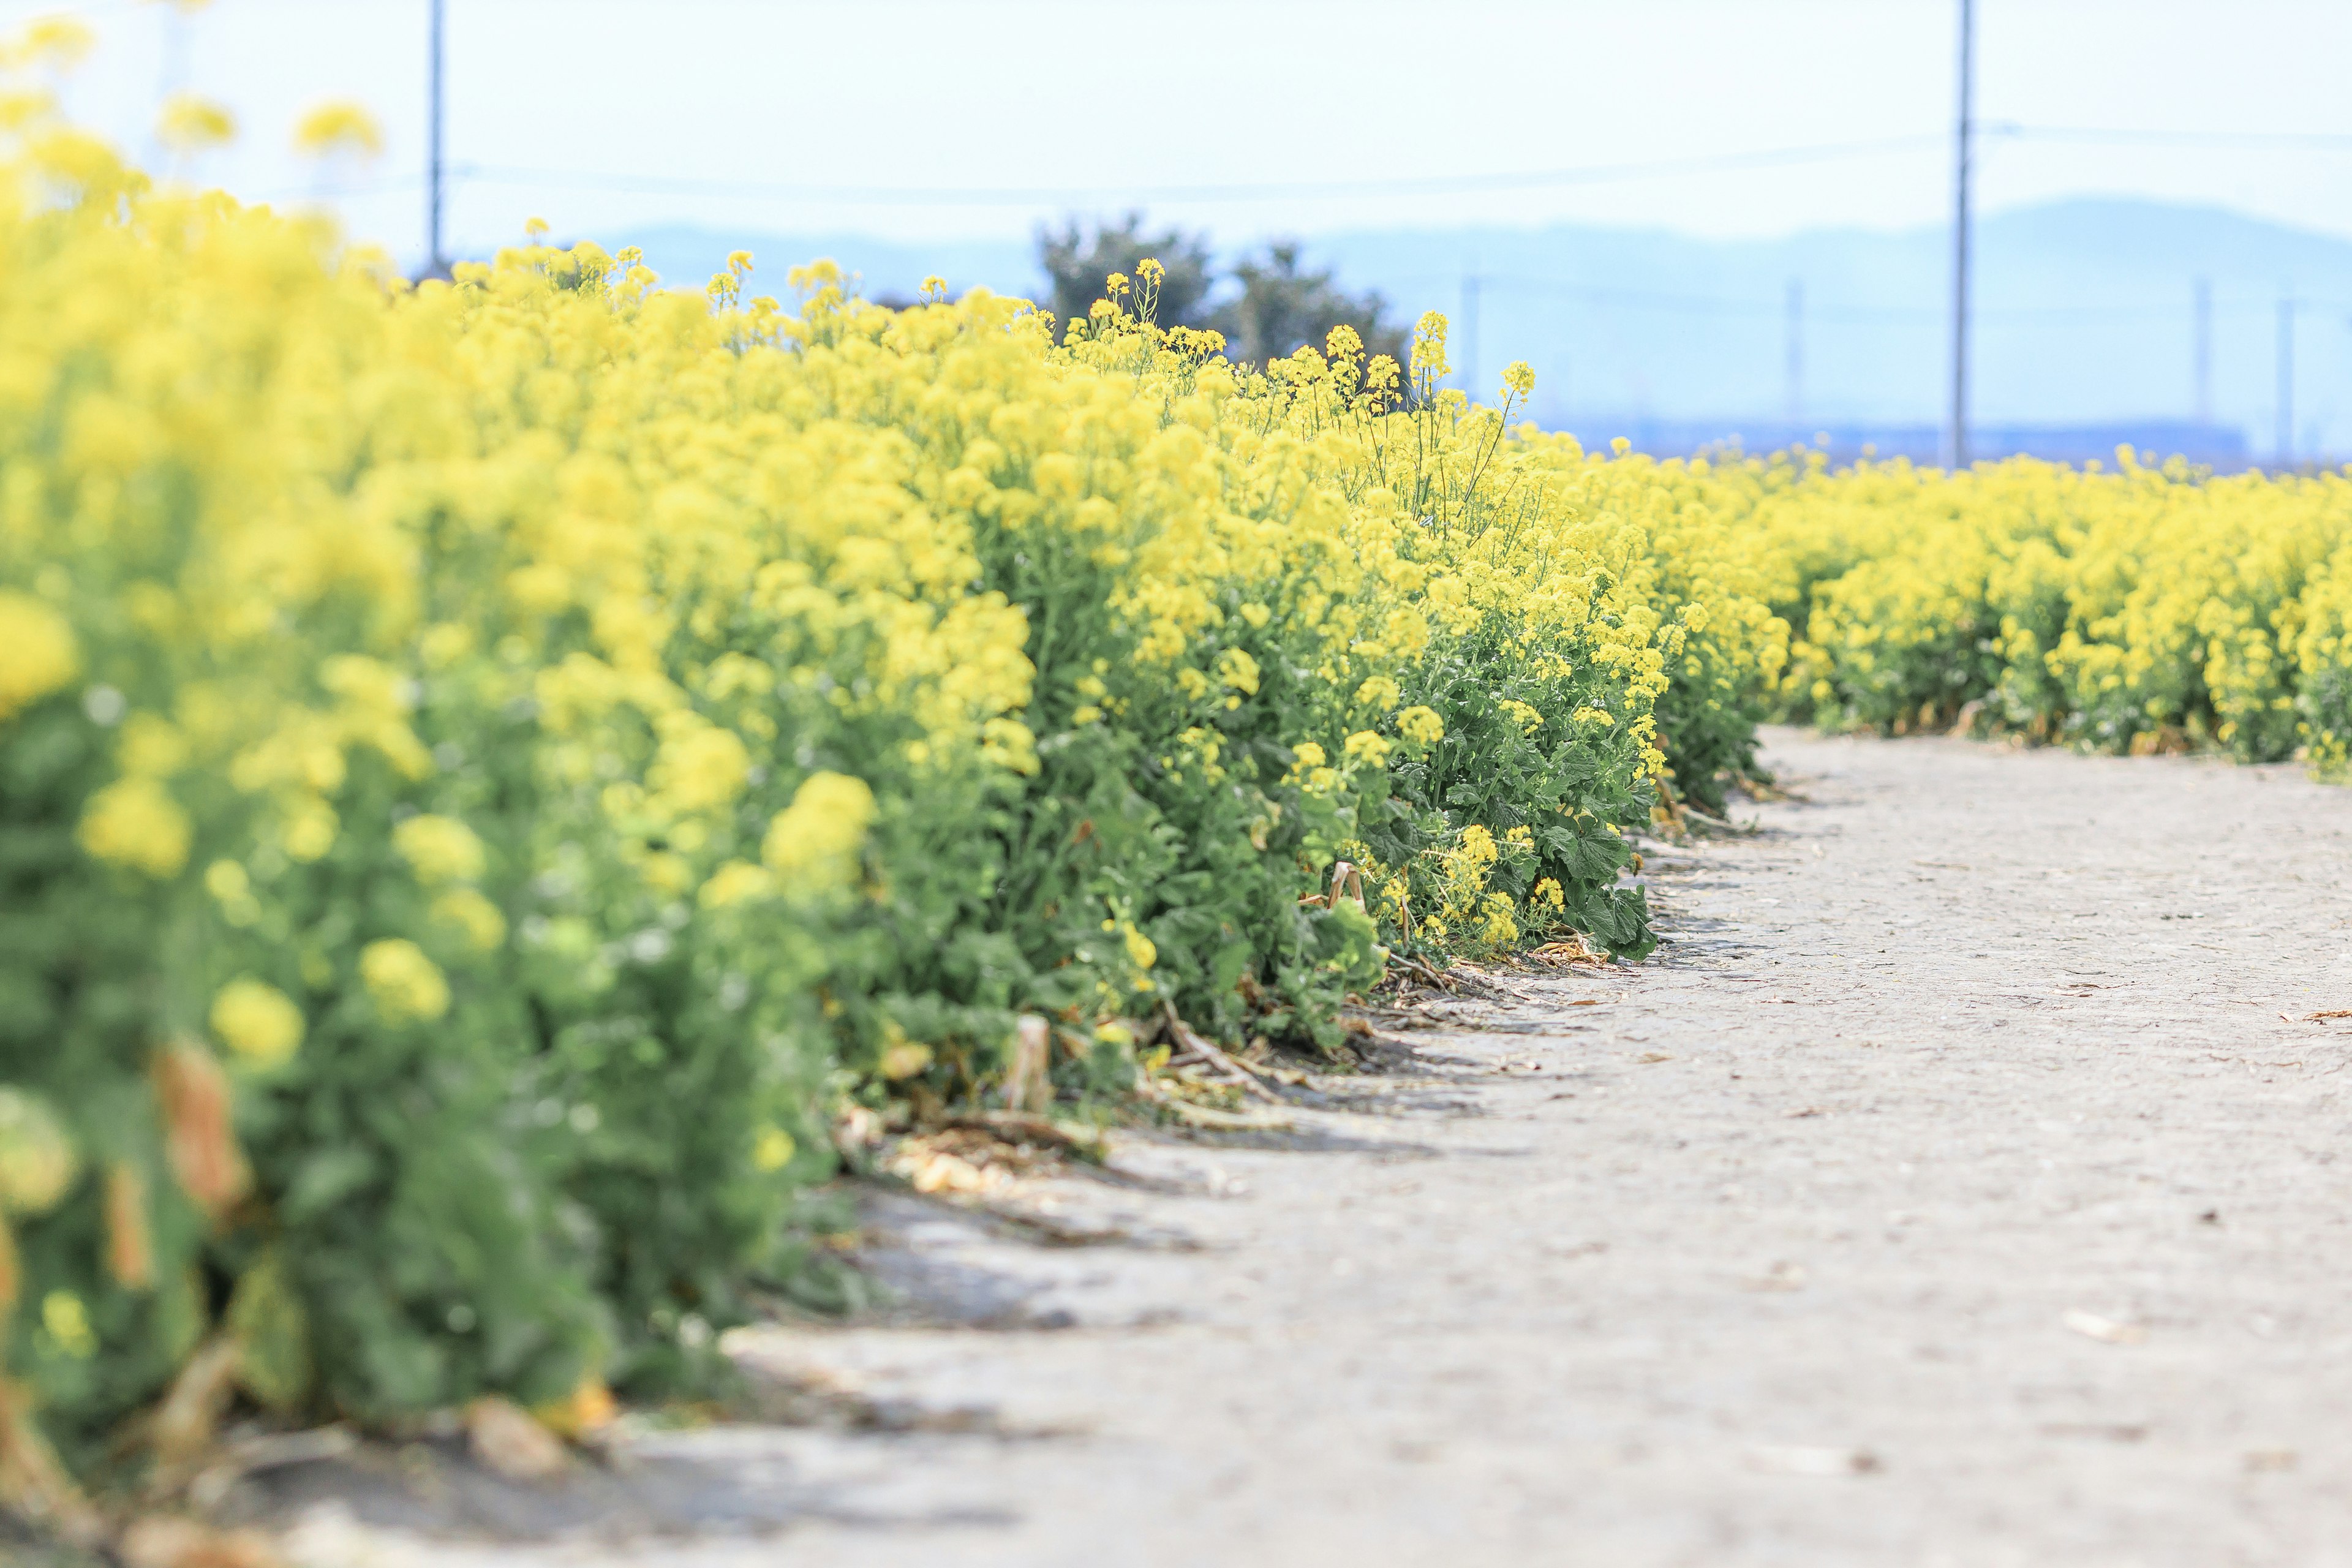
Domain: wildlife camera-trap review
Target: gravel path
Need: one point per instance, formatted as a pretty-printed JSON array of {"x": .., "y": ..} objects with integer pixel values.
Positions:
[{"x": 1963, "y": 1185}]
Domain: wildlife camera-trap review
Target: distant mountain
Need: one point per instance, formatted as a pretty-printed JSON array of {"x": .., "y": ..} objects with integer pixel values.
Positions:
[
  {"x": 684, "y": 254},
  {"x": 2085, "y": 308}
]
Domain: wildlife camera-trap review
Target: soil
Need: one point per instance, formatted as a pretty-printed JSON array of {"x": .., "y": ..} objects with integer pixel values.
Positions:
[{"x": 1964, "y": 1183}]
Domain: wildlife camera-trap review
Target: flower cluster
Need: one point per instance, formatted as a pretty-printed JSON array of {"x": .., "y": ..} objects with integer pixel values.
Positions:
[
  {"x": 489, "y": 766},
  {"x": 2130, "y": 607}
]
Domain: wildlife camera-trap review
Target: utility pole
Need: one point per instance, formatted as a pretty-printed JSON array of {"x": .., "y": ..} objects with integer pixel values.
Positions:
[
  {"x": 1796, "y": 359},
  {"x": 1956, "y": 428},
  {"x": 2285, "y": 381},
  {"x": 2204, "y": 353},
  {"x": 1470, "y": 332},
  {"x": 435, "y": 264}
]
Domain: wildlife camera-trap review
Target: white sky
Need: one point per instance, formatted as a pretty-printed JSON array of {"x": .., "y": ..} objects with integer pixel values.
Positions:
[{"x": 1109, "y": 102}]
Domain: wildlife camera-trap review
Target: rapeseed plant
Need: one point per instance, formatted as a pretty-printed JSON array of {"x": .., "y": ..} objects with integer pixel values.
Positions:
[{"x": 490, "y": 770}]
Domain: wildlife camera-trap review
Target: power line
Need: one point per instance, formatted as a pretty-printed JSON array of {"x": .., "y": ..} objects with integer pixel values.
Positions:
[
  {"x": 2317, "y": 141},
  {"x": 1733, "y": 305},
  {"x": 637, "y": 183},
  {"x": 1032, "y": 195},
  {"x": 624, "y": 183}
]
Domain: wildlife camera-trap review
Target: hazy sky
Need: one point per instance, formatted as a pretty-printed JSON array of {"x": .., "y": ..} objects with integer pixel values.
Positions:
[{"x": 581, "y": 111}]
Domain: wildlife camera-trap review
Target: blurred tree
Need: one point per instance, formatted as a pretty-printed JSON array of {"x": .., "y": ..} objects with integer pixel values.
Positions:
[
  {"x": 1280, "y": 309},
  {"x": 1078, "y": 262}
]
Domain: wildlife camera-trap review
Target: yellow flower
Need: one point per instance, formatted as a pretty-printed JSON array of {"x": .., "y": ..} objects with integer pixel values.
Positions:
[
  {"x": 151, "y": 746},
  {"x": 813, "y": 843},
  {"x": 1518, "y": 378},
  {"x": 734, "y": 882},
  {"x": 1367, "y": 747},
  {"x": 66, "y": 1321},
  {"x": 1499, "y": 927},
  {"x": 1421, "y": 726},
  {"x": 407, "y": 986},
  {"x": 135, "y": 823},
  {"x": 339, "y": 127},
  {"x": 1309, "y": 754},
  {"x": 702, "y": 769},
  {"x": 1139, "y": 949},
  {"x": 309, "y": 829},
  {"x": 469, "y": 911},
  {"x": 257, "y": 1021},
  {"x": 1523, "y": 714},
  {"x": 190, "y": 123},
  {"x": 227, "y": 881},
  {"x": 1379, "y": 692},
  {"x": 56, "y": 41},
  {"x": 37, "y": 653},
  {"x": 37, "y": 1164},
  {"x": 438, "y": 848},
  {"x": 904, "y": 1059},
  {"x": 1237, "y": 671},
  {"x": 1429, "y": 362},
  {"x": 773, "y": 1151}
]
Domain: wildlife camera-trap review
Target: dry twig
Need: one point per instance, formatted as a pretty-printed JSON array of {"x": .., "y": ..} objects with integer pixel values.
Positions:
[
  {"x": 1208, "y": 1052},
  {"x": 1025, "y": 1127},
  {"x": 1203, "y": 1116}
]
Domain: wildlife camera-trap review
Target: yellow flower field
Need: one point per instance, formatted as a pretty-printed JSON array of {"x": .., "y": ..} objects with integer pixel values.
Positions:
[{"x": 491, "y": 772}]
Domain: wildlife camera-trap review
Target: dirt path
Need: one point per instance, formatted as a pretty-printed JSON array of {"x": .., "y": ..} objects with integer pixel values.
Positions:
[{"x": 1951, "y": 1192}]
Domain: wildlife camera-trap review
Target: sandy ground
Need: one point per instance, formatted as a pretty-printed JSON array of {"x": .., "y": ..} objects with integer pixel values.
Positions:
[{"x": 1962, "y": 1184}]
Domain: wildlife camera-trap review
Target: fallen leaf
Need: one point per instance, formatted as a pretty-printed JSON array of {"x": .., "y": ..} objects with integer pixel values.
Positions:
[
  {"x": 1654, "y": 1056},
  {"x": 2106, "y": 1330},
  {"x": 191, "y": 1411},
  {"x": 159, "y": 1541},
  {"x": 1795, "y": 1461},
  {"x": 2329, "y": 1013},
  {"x": 1026, "y": 1085},
  {"x": 2113, "y": 1431},
  {"x": 511, "y": 1442},
  {"x": 587, "y": 1408},
  {"x": 1779, "y": 1276},
  {"x": 1807, "y": 1110},
  {"x": 34, "y": 1484}
]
